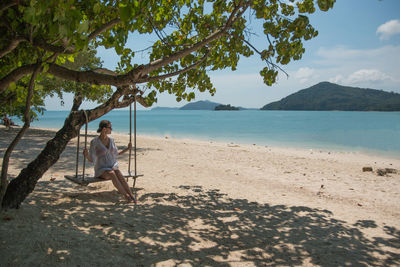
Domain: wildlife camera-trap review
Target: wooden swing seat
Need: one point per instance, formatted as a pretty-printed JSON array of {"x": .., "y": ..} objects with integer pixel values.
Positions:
[{"x": 91, "y": 179}]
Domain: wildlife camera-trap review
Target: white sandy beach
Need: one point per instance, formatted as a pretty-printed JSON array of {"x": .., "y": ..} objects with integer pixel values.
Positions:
[{"x": 205, "y": 203}]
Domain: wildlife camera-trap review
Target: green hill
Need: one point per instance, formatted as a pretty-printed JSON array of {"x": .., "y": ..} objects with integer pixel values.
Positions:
[
  {"x": 330, "y": 96},
  {"x": 200, "y": 105}
]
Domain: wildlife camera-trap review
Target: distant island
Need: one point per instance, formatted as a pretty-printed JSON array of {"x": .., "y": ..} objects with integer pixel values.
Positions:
[
  {"x": 330, "y": 96},
  {"x": 322, "y": 96},
  {"x": 204, "y": 105},
  {"x": 226, "y": 107},
  {"x": 200, "y": 105}
]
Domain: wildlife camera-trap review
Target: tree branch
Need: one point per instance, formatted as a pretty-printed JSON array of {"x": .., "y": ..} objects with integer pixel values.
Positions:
[
  {"x": 140, "y": 99},
  {"x": 27, "y": 122},
  {"x": 127, "y": 100},
  {"x": 156, "y": 31},
  {"x": 8, "y": 98},
  {"x": 76, "y": 102},
  {"x": 11, "y": 46},
  {"x": 7, "y": 5},
  {"x": 268, "y": 62},
  {"x": 113, "y": 101},
  {"x": 105, "y": 71},
  {"x": 180, "y": 54},
  {"x": 15, "y": 75},
  {"x": 131, "y": 77},
  {"x": 71, "y": 50},
  {"x": 103, "y": 28},
  {"x": 106, "y": 77},
  {"x": 94, "y": 77},
  {"x": 165, "y": 76},
  {"x": 53, "y": 48}
]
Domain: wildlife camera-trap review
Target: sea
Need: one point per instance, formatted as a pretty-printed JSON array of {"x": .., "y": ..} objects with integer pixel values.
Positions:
[{"x": 369, "y": 132}]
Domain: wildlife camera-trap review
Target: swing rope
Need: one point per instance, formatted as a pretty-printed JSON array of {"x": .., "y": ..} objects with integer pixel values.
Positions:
[
  {"x": 130, "y": 139},
  {"x": 134, "y": 140},
  {"x": 84, "y": 158},
  {"x": 77, "y": 155},
  {"x": 77, "y": 149},
  {"x": 134, "y": 115}
]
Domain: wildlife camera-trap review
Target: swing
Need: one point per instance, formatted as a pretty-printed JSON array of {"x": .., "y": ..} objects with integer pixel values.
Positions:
[{"x": 85, "y": 179}]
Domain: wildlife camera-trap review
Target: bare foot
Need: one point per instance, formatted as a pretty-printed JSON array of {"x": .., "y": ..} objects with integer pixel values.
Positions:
[{"x": 129, "y": 198}]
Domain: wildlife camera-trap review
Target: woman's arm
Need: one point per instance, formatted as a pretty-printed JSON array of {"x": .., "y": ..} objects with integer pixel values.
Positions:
[
  {"x": 87, "y": 155},
  {"x": 126, "y": 149}
]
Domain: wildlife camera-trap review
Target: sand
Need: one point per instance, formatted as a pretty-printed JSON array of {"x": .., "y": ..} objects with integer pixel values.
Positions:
[{"x": 204, "y": 203}]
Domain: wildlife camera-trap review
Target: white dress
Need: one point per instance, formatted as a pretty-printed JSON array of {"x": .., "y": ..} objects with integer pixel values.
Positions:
[{"x": 104, "y": 159}]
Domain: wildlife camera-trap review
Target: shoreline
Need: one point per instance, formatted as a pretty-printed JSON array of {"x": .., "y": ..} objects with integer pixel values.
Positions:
[
  {"x": 332, "y": 131},
  {"x": 324, "y": 148},
  {"x": 208, "y": 203}
]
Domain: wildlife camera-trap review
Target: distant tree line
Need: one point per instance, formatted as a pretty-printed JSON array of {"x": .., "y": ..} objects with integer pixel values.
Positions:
[{"x": 226, "y": 107}]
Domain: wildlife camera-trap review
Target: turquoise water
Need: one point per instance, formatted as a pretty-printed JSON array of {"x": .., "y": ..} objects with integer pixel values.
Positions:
[{"x": 354, "y": 131}]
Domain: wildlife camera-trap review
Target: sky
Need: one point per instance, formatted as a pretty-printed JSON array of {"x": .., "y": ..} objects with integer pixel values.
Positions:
[{"x": 358, "y": 45}]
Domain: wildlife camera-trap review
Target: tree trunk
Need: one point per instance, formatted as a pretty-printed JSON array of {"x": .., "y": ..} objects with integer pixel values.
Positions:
[
  {"x": 20, "y": 187},
  {"x": 6, "y": 159},
  {"x": 27, "y": 123}
]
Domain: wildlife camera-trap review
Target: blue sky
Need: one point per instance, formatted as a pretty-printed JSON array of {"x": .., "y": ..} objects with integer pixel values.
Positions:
[{"x": 358, "y": 45}]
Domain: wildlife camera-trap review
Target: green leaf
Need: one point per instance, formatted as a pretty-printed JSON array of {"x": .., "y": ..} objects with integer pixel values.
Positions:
[
  {"x": 97, "y": 8},
  {"x": 125, "y": 11},
  {"x": 180, "y": 24},
  {"x": 62, "y": 29},
  {"x": 30, "y": 14},
  {"x": 71, "y": 58},
  {"x": 325, "y": 5},
  {"x": 83, "y": 27},
  {"x": 12, "y": 86},
  {"x": 45, "y": 67}
]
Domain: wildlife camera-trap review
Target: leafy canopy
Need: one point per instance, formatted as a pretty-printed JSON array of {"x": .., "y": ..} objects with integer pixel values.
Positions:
[
  {"x": 14, "y": 97},
  {"x": 192, "y": 39}
]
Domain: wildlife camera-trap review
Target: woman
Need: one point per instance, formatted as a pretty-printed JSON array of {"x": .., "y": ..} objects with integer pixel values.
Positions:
[{"x": 103, "y": 152}]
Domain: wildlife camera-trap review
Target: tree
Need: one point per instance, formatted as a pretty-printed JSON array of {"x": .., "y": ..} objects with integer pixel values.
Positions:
[{"x": 194, "y": 38}]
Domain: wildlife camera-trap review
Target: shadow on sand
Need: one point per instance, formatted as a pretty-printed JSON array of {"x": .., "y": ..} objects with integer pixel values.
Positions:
[
  {"x": 34, "y": 142},
  {"x": 195, "y": 227}
]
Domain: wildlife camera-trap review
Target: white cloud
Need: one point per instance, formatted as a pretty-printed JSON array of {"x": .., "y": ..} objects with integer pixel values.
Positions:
[
  {"x": 388, "y": 29},
  {"x": 304, "y": 74},
  {"x": 363, "y": 76},
  {"x": 370, "y": 75},
  {"x": 377, "y": 67}
]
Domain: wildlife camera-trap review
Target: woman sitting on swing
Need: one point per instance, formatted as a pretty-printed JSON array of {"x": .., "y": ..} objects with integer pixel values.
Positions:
[{"x": 103, "y": 153}]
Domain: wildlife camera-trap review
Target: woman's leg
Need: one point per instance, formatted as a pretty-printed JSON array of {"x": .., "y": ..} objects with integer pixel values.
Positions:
[
  {"x": 111, "y": 175},
  {"x": 123, "y": 182}
]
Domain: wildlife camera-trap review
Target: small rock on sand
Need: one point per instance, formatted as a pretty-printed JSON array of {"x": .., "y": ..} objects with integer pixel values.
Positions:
[{"x": 367, "y": 169}]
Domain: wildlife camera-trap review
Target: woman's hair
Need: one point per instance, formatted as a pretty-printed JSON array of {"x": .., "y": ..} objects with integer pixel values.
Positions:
[{"x": 103, "y": 124}]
